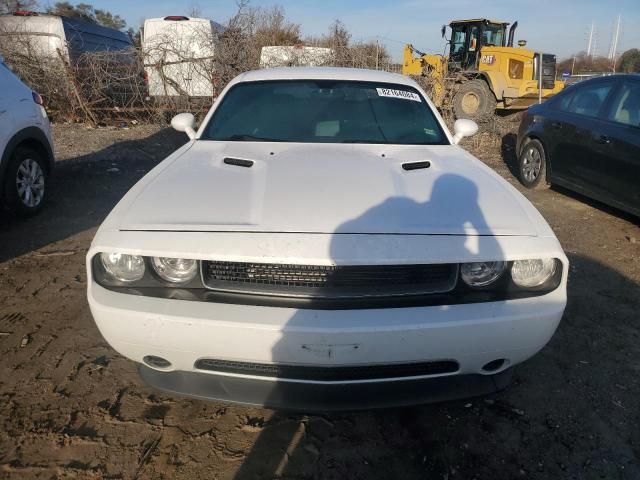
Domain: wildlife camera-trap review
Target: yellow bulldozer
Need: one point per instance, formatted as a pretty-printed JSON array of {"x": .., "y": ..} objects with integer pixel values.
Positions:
[{"x": 483, "y": 70}]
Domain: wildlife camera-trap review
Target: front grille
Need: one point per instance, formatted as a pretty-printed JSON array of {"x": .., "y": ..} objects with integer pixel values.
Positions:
[
  {"x": 329, "y": 374},
  {"x": 322, "y": 281}
]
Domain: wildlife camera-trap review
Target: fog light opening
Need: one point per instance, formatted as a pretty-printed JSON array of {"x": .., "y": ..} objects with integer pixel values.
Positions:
[
  {"x": 494, "y": 365},
  {"x": 156, "y": 362}
]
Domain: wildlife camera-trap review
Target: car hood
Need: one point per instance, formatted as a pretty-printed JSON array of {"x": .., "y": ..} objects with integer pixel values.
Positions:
[{"x": 326, "y": 188}]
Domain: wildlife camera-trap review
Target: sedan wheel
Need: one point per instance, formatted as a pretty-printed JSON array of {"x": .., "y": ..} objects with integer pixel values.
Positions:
[
  {"x": 30, "y": 183},
  {"x": 532, "y": 165}
]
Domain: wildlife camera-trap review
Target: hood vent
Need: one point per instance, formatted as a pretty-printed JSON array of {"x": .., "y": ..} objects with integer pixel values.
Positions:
[
  {"x": 238, "y": 162},
  {"x": 416, "y": 165}
]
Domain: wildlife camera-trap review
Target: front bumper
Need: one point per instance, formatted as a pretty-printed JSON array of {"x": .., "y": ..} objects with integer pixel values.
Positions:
[
  {"x": 324, "y": 398},
  {"x": 184, "y": 332}
]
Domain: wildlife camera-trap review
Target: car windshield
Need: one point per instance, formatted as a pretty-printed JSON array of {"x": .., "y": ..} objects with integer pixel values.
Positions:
[{"x": 319, "y": 111}]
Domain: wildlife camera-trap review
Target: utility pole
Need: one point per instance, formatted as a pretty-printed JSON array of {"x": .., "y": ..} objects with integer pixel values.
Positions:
[
  {"x": 540, "y": 77},
  {"x": 614, "y": 40},
  {"x": 590, "y": 40},
  {"x": 615, "y": 45}
]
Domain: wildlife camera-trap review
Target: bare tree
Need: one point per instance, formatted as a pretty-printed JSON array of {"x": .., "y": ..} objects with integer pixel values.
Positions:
[
  {"x": 338, "y": 36},
  {"x": 87, "y": 12},
  {"x": 195, "y": 11},
  {"x": 273, "y": 28},
  {"x": 107, "y": 19},
  {"x": 583, "y": 63},
  {"x": 234, "y": 52},
  {"x": 9, "y": 6},
  {"x": 630, "y": 61},
  {"x": 238, "y": 47}
]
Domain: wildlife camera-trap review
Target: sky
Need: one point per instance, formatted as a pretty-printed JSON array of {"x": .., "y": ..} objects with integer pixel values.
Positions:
[{"x": 559, "y": 27}]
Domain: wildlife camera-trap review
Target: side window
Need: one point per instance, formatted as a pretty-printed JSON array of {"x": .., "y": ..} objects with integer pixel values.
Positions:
[
  {"x": 625, "y": 108},
  {"x": 586, "y": 100},
  {"x": 458, "y": 38},
  {"x": 563, "y": 103},
  {"x": 516, "y": 69}
]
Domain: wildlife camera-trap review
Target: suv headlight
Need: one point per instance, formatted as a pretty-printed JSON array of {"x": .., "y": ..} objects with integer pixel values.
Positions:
[
  {"x": 123, "y": 267},
  {"x": 481, "y": 274},
  {"x": 175, "y": 270},
  {"x": 532, "y": 273}
]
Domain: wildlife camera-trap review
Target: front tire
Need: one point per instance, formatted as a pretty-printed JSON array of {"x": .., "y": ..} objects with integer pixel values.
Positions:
[
  {"x": 474, "y": 100},
  {"x": 532, "y": 165},
  {"x": 25, "y": 183}
]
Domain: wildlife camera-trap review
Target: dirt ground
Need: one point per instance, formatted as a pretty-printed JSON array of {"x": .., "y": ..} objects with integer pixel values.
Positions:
[{"x": 71, "y": 407}]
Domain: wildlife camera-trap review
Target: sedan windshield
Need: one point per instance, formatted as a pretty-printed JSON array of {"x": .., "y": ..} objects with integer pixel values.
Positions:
[{"x": 320, "y": 111}]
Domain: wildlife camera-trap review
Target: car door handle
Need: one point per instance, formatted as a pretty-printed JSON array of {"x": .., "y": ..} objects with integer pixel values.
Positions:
[
  {"x": 556, "y": 125},
  {"x": 603, "y": 139}
]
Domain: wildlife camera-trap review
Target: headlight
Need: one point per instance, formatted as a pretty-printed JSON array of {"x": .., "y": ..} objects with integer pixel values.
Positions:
[
  {"x": 123, "y": 267},
  {"x": 481, "y": 274},
  {"x": 532, "y": 273},
  {"x": 175, "y": 270}
]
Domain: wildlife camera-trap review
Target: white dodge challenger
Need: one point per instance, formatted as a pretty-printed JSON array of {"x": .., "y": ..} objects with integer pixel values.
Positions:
[{"x": 322, "y": 243}]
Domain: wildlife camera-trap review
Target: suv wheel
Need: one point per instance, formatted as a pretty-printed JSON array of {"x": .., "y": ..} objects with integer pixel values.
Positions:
[
  {"x": 532, "y": 165},
  {"x": 25, "y": 182}
]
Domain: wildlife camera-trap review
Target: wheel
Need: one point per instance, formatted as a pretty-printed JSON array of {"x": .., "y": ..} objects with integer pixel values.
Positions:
[
  {"x": 532, "y": 165},
  {"x": 474, "y": 100},
  {"x": 25, "y": 182}
]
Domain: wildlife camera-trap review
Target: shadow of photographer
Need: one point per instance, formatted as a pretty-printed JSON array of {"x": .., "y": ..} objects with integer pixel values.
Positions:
[{"x": 290, "y": 444}]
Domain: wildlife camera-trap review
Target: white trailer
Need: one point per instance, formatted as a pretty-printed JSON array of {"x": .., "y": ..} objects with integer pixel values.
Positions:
[
  {"x": 178, "y": 56},
  {"x": 49, "y": 37}
]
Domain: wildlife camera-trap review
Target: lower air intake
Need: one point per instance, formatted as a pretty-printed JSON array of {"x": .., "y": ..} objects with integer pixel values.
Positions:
[{"x": 329, "y": 374}]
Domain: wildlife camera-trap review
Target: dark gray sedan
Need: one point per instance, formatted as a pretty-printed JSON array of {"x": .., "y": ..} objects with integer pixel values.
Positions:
[{"x": 586, "y": 139}]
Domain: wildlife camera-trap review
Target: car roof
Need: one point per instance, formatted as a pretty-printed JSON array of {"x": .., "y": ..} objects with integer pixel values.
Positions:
[
  {"x": 475, "y": 20},
  {"x": 613, "y": 75},
  {"x": 604, "y": 78},
  {"x": 323, "y": 73},
  {"x": 626, "y": 75}
]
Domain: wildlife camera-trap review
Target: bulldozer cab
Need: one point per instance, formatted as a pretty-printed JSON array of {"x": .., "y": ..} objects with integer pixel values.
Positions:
[{"x": 468, "y": 37}]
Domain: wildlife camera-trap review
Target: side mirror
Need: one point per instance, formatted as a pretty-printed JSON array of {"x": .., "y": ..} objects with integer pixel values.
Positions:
[
  {"x": 185, "y": 122},
  {"x": 443, "y": 30},
  {"x": 463, "y": 128}
]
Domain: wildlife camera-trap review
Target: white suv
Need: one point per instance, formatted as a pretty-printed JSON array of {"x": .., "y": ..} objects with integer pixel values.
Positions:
[{"x": 26, "y": 160}]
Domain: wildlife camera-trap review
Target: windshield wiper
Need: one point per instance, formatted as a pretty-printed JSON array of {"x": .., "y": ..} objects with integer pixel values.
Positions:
[
  {"x": 249, "y": 138},
  {"x": 376, "y": 142}
]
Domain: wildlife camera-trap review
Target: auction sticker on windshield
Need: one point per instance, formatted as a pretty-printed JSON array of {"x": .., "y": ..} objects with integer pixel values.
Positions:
[{"x": 389, "y": 92}]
